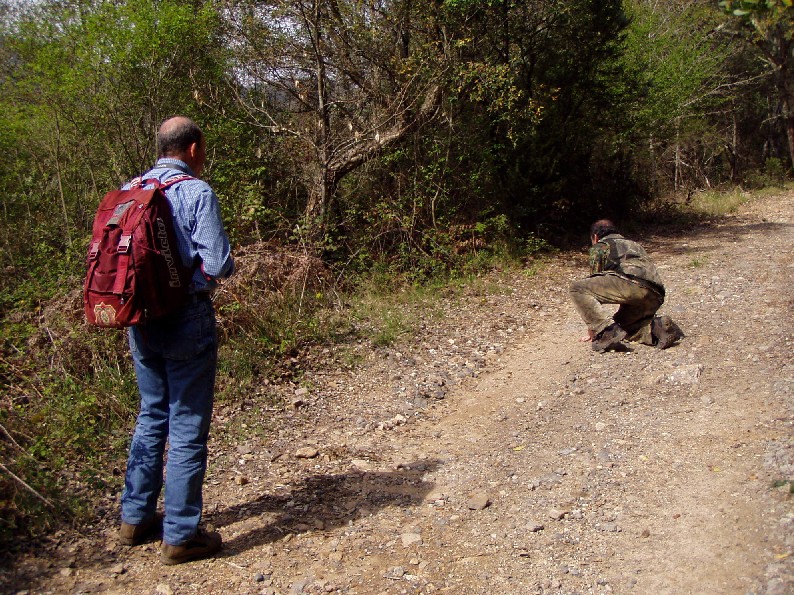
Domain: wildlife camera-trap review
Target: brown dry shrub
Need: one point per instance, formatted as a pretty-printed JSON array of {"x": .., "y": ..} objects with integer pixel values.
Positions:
[
  {"x": 269, "y": 280},
  {"x": 268, "y": 277},
  {"x": 68, "y": 343}
]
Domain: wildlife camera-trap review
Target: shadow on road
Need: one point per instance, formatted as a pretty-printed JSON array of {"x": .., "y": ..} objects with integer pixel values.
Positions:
[
  {"x": 675, "y": 240},
  {"x": 321, "y": 502}
]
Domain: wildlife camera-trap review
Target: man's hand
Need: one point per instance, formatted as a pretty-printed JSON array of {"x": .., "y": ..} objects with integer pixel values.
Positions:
[{"x": 589, "y": 337}]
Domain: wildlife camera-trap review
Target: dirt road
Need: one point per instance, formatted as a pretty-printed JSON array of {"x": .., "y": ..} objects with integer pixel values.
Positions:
[{"x": 496, "y": 454}]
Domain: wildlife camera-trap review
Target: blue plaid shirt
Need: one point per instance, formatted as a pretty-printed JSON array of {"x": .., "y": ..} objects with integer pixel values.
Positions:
[{"x": 198, "y": 224}]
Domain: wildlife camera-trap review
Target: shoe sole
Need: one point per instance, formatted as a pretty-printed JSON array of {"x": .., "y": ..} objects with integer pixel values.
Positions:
[{"x": 175, "y": 561}]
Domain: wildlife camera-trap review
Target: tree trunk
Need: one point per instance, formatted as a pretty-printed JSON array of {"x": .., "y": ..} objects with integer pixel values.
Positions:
[
  {"x": 321, "y": 192},
  {"x": 783, "y": 60},
  {"x": 677, "y": 172},
  {"x": 776, "y": 44},
  {"x": 322, "y": 187},
  {"x": 788, "y": 122},
  {"x": 733, "y": 150},
  {"x": 67, "y": 234},
  {"x": 654, "y": 172},
  {"x": 335, "y": 165}
]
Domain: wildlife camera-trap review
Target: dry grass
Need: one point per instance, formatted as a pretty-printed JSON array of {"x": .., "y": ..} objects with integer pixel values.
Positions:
[{"x": 267, "y": 278}]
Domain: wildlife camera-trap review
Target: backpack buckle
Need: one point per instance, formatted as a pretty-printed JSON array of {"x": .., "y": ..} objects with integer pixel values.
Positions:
[
  {"x": 124, "y": 244},
  {"x": 94, "y": 251}
]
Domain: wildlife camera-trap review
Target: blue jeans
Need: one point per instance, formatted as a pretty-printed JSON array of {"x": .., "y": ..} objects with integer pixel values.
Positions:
[{"x": 175, "y": 361}]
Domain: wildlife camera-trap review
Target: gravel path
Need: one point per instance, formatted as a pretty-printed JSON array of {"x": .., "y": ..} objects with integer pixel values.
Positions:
[{"x": 493, "y": 453}]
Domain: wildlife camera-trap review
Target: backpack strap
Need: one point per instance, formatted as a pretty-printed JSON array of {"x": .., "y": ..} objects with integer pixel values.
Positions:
[
  {"x": 139, "y": 182},
  {"x": 613, "y": 256},
  {"x": 175, "y": 180},
  {"x": 123, "y": 249}
]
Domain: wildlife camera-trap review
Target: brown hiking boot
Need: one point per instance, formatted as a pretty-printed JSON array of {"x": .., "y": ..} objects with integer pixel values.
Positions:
[
  {"x": 138, "y": 534},
  {"x": 609, "y": 339},
  {"x": 665, "y": 332},
  {"x": 203, "y": 545}
]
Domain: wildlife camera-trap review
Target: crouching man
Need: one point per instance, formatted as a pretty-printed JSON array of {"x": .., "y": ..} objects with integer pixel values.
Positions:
[{"x": 621, "y": 272}]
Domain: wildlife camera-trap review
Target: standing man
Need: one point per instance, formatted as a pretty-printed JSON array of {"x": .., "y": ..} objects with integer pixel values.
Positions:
[
  {"x": 175, "y": 361},
  {"x": 621, "y": 272}
]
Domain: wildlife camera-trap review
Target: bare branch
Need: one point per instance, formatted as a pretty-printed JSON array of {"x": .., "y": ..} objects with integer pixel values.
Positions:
[{"x": 22, "y": 482}]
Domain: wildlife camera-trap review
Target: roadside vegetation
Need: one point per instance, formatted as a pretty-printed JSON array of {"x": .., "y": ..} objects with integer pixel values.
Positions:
[{"x": 368, "y": 156}]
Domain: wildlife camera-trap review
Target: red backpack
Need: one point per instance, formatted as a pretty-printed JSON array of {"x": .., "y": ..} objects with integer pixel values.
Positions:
[{"x": 135, "y": 272}]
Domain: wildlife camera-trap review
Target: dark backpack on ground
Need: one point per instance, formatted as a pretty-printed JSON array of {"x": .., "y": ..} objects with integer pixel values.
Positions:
[{"x": 135, "y": 272}]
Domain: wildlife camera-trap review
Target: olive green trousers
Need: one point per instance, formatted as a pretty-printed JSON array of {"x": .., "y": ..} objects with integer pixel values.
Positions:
[{"x": 638, "y": 305}]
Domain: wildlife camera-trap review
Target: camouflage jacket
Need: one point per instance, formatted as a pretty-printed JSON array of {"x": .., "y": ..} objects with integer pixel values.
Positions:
[{"x": 614, "y": 254}]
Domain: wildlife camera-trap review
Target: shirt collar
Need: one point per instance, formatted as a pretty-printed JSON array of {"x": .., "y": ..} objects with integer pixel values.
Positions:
[{"x": 175, "y": 164}]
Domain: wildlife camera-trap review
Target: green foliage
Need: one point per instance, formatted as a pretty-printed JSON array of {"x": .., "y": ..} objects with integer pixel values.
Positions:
[
  {"x": 766, "y": 28},
  {"x": 247, "y": 172},
  {"x": 393, "y": 325},
  {"x": 772, "y": 177},
  {"x": 776, "y": 171},
  {"x": 66, "y": 151},
  {"x": 676, "y": 57},
  {"x": 384, "y": 312},
  {"x": 744, "y": 8},
  {"x": 82, "y": 87},
  {"x": 551, "y": 74},
  {"x": 534, "y": 245},
  {"x": 495, "y": 87},
  {"x": 679, "y": 61}
]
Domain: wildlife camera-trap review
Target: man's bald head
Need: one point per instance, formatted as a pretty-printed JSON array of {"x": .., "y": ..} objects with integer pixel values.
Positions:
[{"x": 176, "y": 135}]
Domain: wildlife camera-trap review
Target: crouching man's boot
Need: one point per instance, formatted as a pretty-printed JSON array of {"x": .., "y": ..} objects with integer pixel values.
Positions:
[
  {"x": 609, "y": 339},
  {"x": 665, "y": 332}
]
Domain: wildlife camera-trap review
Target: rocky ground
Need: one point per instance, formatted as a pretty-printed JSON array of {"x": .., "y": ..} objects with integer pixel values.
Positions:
[{"x": 494, "y": 453}]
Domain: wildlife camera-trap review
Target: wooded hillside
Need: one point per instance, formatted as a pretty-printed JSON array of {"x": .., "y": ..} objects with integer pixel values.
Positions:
[{"x": 359, "y": 138}]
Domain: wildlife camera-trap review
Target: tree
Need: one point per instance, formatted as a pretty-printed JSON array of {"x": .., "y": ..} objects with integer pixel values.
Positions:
[
  {"x": 683, "y": 115},
  {"x": 85, "y": 84},
  {"x": 342, "y": 80},
  {"x": 549, "y": 78},
  {"x": 769, "y": 26}
]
